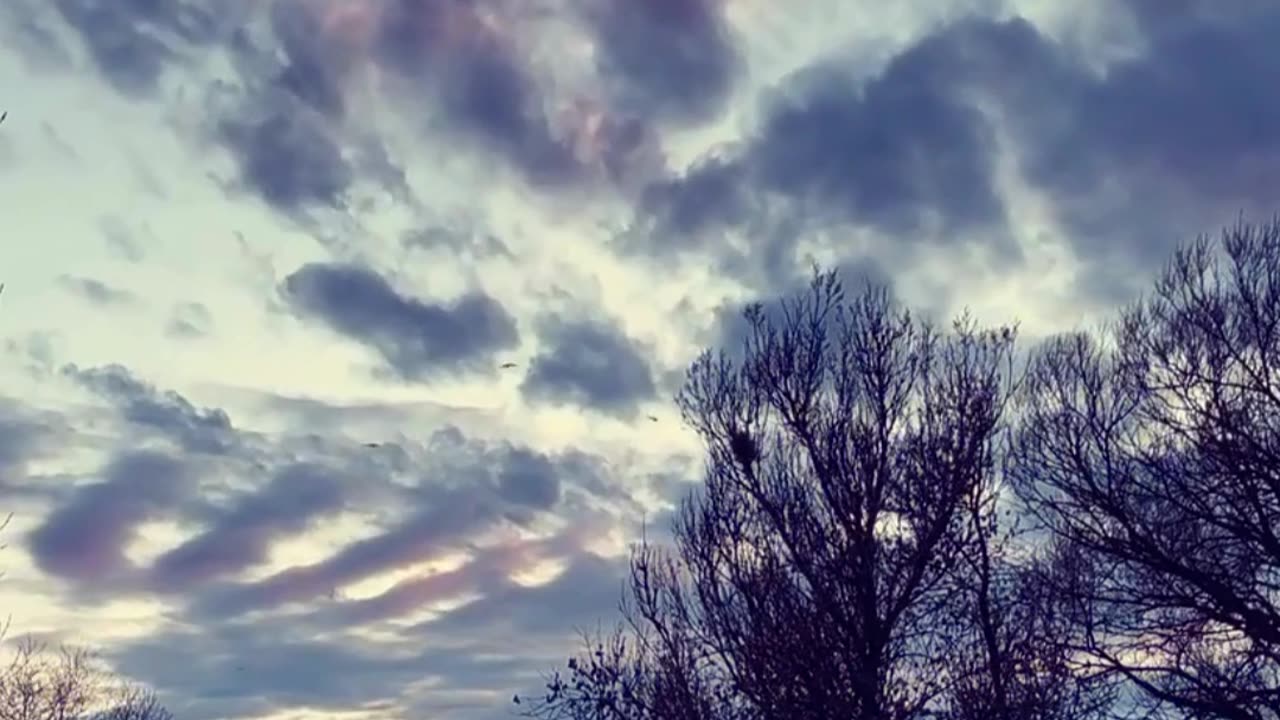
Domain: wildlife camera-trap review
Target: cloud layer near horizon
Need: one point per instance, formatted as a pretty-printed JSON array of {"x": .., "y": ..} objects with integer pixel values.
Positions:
[{"x": 333, "y": 328}]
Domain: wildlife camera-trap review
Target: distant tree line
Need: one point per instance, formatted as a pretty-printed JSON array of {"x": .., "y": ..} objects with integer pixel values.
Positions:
[{"x": 904, "y": 523}]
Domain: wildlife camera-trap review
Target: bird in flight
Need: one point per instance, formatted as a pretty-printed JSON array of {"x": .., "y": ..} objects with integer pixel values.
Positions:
[
  {"x": 4, "y": 115},
  {"x": 508, "y": 365},
  {"x": 373, "y": 445},
  {"x": 653, "y": 419}
]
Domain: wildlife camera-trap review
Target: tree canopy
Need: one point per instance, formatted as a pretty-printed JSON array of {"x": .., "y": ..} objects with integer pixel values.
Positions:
[{"x": 899, "y": 522}]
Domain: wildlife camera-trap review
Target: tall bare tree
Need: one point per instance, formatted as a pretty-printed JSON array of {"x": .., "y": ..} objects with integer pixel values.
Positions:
[
  {"x": 1152, "y": 453},
  {"x": 844, "y": 551}
]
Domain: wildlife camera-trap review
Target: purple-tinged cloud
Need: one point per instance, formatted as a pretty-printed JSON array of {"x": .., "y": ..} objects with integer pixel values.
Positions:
[
  {"x": 86, "y": 539},
  {"x": 240, "y": 537},
  {"x": 446, "y": 525}
]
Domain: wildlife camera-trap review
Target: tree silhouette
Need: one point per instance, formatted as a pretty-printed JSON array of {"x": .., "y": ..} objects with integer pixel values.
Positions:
[
  {"x": 1152, "y": 454},
  {"x": 843, "y": 558},
  {"x": 40, "y": 684}
]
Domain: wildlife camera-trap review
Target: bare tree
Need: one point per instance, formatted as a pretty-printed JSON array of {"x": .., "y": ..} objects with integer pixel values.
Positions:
[
  {"x": 131, "y": 702},
  {"x": 1014, "y": 657},
  {"x": 843, "y": 553},
  {"x": 67, "y": 684},
  {"x": 1153, "y": 454}
]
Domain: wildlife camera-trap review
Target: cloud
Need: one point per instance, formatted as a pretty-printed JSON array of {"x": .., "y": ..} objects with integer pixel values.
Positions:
[
  {"x": 417, "y": 339},
  {"x": 1098, "y": 141},
  {"x": 1184, "y": 123},
  {"x": 466, "y": 62},
  {"x": 131, "y": 42},
  {"x": 241, "y": 536},
  {"x": 315, "y": 67},
  {"x": 589, "y": 363},
  {"x": 31, "y": 35},
  {"x": 730, "y": 329},
  {"x": 589, "y": 588},
  {"x": 249, "y": 670},
  {"x": 455, "y": 241},
  {"x": 673, "y": 60},
  {"x": 212, "y": 670},
  {"x": 465, "y": 490},
  {"x": 96, "y": 291},
  {"x": 85, "y": 539},
  {"x": 189, "y": 320},
  {"x": 24, "y": 435},
  {"x": 120, "y": 239},
  {"x": 904, "y": 152},
  {"x": 1189, "y": 125},
  {"x": 169, "y": 413},
  {"x": 289, "y": 157},
  {"x": 445, "y": 524},
  {"x": 529, "y": 478}
]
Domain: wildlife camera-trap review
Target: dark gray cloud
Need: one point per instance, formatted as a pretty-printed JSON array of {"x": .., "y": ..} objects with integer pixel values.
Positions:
[
  {"x": 314, "y": 66},
  {"x": 304, "y": 76},
  {"x": 288, "y": 156},
  {"x": 1186, "y": 123},
  {"x": 529, "y": 478},
  {"x": 280, "y": 135},
  {"x": 417, "y": 339},
  {"x": 262, "y": 668},
  {"x": 24, "y": 435},
  {"x": 590, "y": 363},
  {"x": 669, "y": 59},
  {"x": 1164, "y": 145},
  {"x": 901, "y": 152},
  {"x": 85, "y": 539},
  {"x": 478, "y": 81},
  {"x": 730, "y": 329},
  {"x": 96, "y": 291},
  {"x": 242, "y": 535},
  {"x": 714, "y": 193},
  {"x": 169, "y": 413},
  {"x": 132, "y": 41}
]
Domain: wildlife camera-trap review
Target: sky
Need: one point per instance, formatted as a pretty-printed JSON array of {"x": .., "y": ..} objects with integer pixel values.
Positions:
[{"x": 339, "y": 337}]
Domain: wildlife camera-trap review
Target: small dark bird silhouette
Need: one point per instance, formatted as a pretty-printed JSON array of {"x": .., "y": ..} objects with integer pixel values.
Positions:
[
  {"x": 4, "y": 115},
  {"x": 515, "y": 699},
  {"x": 653, "y": 418},
  {"x": 508, "y": 365},
  {"x": 373, "y": 445}
]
